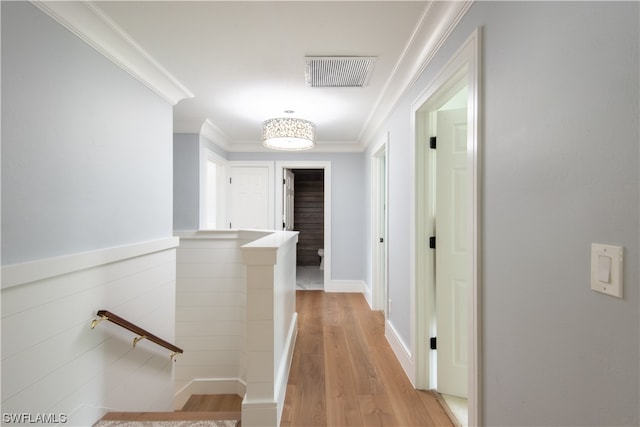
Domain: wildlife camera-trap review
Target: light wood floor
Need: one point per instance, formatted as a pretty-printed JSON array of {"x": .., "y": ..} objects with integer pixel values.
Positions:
[{"x": 344, "y": 373}]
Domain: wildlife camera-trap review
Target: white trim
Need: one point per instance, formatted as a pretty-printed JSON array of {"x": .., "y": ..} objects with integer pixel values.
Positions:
[
  {"x": 87, "y": 21},
  {"x": 310, "y": 164},
  {"x": 209, "y": 386},
  {"x": 434, "y": 26},
  {"x": 368, "y": 295},
  {"x": 207, "y": 155},
  {"x": 400, "y": 349},
  {"x": 215, "y": 135},
  {"x": 348, "y": 286},
  {"x": 321, "y": 147},
  {"x": 18, "y": 274},
  {"x": 379, "y": 284},
  {"x": 468, "y": 55},
  {"x": 282, "y": 374}
]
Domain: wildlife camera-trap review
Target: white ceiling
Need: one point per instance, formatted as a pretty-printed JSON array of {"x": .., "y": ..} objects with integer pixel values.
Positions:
[{"x": 244, "y": 61}]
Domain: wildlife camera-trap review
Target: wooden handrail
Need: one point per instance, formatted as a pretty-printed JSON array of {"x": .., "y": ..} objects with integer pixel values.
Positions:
[{"x": 107, "y": 315}]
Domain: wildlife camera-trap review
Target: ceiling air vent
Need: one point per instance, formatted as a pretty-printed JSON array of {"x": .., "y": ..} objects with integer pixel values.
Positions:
[{"x": 339, "y": 71}]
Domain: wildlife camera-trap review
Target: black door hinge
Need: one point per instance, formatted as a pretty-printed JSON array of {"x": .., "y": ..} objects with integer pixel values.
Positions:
[
  {"x": 432, "y": 142},
  {"x": 432, "y": 242},
  {"x": 433, "y": 343}
]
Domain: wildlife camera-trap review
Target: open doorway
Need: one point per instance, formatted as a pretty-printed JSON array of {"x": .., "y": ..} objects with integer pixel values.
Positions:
[
  {"x": 303, "y": 202},
  {"x": 447, "y": 281},
  {"x": 304, "y": 213}
]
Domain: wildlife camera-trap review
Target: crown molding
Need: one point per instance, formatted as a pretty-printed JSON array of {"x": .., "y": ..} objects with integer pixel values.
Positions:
[
  {"x": 88, "y": 22},
  {"x": 320, "y": 147},
  {"x": 215, "y": 135},
  {"x": 436, "y": 23}
]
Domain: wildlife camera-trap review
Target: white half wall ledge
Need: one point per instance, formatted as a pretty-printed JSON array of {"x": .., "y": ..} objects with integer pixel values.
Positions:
[
  {"x": 18, "y": 274},
  {"x": 87, "y": 21}
]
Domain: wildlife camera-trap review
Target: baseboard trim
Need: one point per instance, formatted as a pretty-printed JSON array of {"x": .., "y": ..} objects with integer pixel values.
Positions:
[
  {"x": 209, "y": 386},
  {"x": 402, "y": 352},
  {"x": 285, "y": 365},
  {"x": 368, "y": 295},
  {"x": 350, "y": 286},
  {"x": 259, "y": 413}
]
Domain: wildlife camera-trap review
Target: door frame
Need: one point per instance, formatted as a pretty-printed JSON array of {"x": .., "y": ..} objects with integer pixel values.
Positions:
[
  {"x": 308, "y": 164},
  {"x": 466, "y": 60},
  {"x": 379, "y": 300}
]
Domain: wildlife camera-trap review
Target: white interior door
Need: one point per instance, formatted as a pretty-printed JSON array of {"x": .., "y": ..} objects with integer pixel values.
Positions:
[
  {"x": 249, "y": 197},
  {"x": 289, "y": 195},
  {"x": 452, "y": 272}
]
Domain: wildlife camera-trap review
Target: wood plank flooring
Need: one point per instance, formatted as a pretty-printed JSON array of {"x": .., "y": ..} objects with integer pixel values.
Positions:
[{"x": 344, "y": 373}]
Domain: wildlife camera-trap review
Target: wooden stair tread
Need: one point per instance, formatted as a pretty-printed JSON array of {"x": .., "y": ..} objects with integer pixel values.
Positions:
[{"x": 172, "y": 416}]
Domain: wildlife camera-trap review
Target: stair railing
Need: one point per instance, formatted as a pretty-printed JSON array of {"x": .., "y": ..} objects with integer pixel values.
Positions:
[{"x": 142, "y": 333}]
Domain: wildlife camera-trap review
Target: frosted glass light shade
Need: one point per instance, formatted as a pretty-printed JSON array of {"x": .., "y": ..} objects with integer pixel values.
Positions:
[{"x": 288, "y": 134}]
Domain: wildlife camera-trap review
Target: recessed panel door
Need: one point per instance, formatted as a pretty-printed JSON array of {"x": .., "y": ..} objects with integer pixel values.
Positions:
[
  {"x": 452, "y": 275},
  {"x": 249, "y": 197}
]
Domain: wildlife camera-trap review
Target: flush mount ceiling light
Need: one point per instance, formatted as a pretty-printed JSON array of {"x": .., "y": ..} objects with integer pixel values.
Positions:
[{"x": 288, "y": 134}]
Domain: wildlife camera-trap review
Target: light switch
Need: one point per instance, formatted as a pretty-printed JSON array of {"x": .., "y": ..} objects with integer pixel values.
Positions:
[{"x": 606, "y": 269}]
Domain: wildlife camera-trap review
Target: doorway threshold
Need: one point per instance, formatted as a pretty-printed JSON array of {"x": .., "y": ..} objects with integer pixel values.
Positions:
[{"x": 457, "y": 408}]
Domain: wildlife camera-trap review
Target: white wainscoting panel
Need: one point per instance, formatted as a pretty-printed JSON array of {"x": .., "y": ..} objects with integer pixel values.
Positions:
[
  {"x": 271, "y": 325},
  {"x": 53, "y": 362},
  {"x": 211, "y": 304}
]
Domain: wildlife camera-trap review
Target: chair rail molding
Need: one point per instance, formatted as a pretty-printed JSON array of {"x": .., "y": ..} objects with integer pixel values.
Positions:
[{"x": 87, "y": 21}]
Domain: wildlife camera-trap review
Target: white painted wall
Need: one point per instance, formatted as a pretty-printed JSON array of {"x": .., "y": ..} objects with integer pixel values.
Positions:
[
  {"x": 54, "y": 363},
  {"x": 211, "y": 305},
  {"x": 560, "y": 170},
  {"x": 271, "y": 325},
  {"x": 236, "y": 318},
  {"x": 86, "y": 185},
  {"x": 347, "y": 204}
]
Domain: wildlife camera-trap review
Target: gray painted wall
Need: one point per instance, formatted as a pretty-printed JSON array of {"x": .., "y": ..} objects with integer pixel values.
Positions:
[
  {"x": 347, "y": 205},
  {"x": 560, "y": 171},
  {"x": 86, "y": 149},
  {"x": 347, "y": 191},
  {"x": 186, "y": 181}
]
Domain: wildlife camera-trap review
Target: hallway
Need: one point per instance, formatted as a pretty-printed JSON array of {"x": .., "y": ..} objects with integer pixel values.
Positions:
[{"x": 344, "y": 373}]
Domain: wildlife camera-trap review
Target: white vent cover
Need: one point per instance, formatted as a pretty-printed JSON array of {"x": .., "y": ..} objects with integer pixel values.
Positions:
[{"x": 339, "y": 71}]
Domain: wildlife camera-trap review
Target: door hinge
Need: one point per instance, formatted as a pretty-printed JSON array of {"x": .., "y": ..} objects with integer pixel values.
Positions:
[
  {"x": 229, "y": 180},
  {"x": 432, "y": 242},
  {"x": 229, "y": 225},
  {"x": 284, "y": 226},
  {"x": 284, "y": 181},
  {"x": 432, "y": 142},
  {"x": 382, "y": 240},
  {"x": 433, "y": 343}
]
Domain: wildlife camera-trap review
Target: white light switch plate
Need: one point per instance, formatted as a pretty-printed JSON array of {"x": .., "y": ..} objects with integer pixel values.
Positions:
[{"x": 606, "y": 269}]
